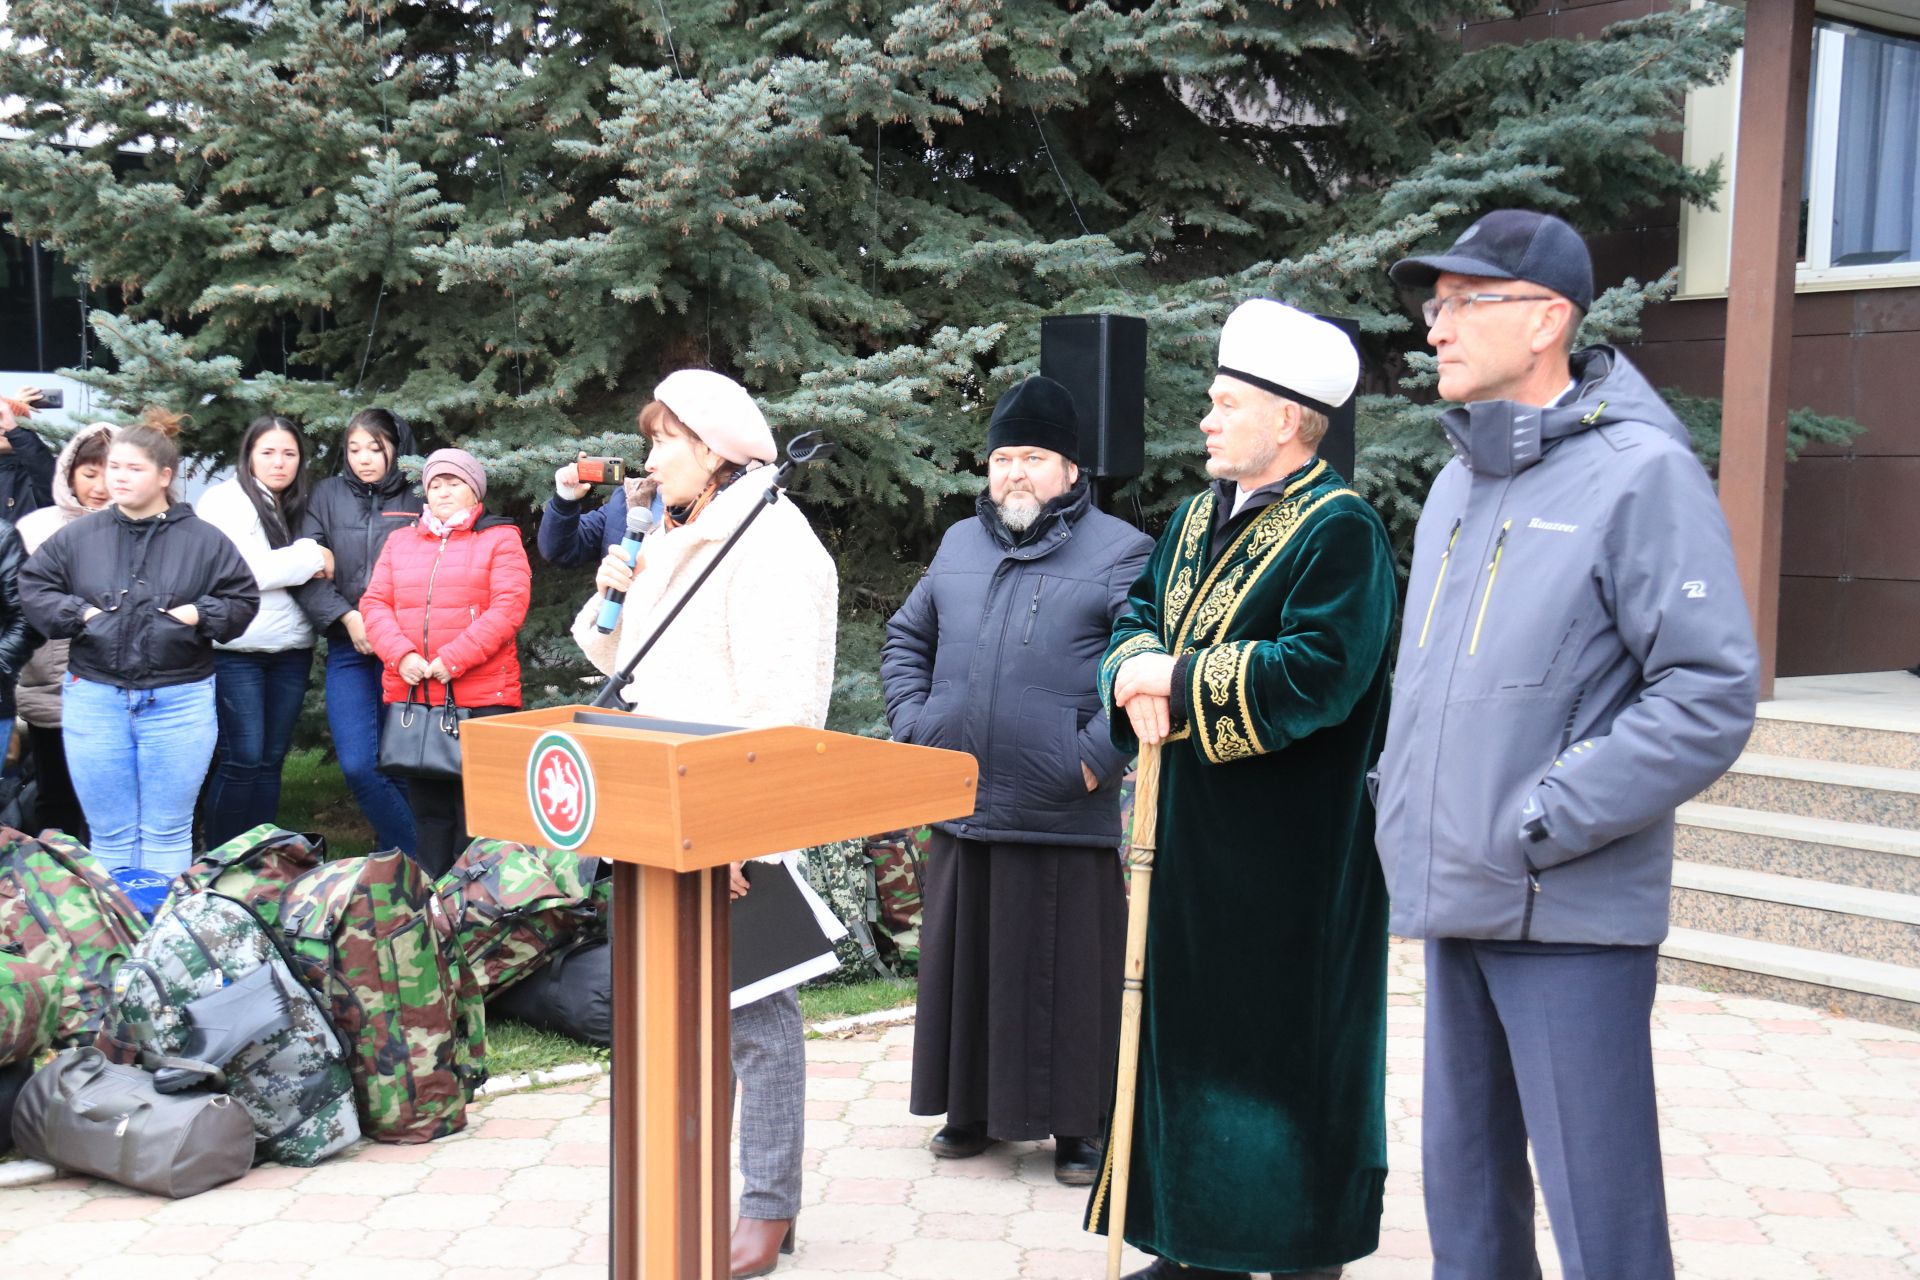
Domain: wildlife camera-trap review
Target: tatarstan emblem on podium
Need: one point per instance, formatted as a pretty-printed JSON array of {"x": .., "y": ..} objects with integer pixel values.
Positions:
[{"x": 560, "y": 790}]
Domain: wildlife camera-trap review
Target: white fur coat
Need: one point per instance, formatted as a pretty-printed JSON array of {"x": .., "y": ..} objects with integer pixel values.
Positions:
[{"x": 755, "y": 646}]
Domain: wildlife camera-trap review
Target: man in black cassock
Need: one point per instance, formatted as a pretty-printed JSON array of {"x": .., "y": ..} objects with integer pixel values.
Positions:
[{"x": 996, "y": 653}]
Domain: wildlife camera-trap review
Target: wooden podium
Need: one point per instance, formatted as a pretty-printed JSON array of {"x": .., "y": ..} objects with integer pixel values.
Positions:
[{"x": 670, "y": 804}]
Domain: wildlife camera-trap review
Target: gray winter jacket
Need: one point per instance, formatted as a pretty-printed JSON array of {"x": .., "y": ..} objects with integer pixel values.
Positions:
[
  {"x": 997, "y": 653},
  {"x": 1575, "y": 662}
]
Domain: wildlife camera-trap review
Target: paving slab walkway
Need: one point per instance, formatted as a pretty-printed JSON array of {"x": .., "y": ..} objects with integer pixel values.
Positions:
[{"x": 1792, "y": 1141}]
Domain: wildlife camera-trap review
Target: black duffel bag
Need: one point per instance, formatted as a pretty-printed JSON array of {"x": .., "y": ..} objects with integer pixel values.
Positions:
[
  {"x": 13, "y": 1078},
  {"x": 571, "y": 994}
]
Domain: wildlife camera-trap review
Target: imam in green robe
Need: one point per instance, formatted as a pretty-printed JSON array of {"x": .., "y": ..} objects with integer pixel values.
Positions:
[{"x": 1259, "y": 1132}]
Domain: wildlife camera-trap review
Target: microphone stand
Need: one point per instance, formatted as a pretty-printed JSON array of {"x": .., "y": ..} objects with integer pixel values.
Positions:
[{"x": 804, "y": 449}]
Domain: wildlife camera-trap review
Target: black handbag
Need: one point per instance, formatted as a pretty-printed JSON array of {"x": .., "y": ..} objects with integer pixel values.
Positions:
[{"x": 420, "y": 740}]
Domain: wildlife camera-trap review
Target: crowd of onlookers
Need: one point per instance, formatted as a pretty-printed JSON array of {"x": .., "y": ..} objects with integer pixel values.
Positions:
[{"x": 158, "y": 653}]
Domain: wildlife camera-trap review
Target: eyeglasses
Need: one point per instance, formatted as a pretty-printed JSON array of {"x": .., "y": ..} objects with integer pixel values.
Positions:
[{"x": 1433, "y": 308}]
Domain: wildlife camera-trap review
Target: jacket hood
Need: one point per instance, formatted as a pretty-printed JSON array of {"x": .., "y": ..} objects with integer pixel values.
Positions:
[
  {"x": 1055, "y": 517},
  {"x": 63, "y": 469},
  {"x": 1502, "y": 438},
  {"x": 395, "y": 481},
  {"x": 177, "y": 513}
]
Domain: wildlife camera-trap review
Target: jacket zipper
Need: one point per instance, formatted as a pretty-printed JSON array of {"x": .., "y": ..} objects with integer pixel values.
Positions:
[
  {"x": 1493, "y": 571},
  {"x": 1033, "y": 612},
  {"x": 1533, "y": 892},
  {"x": 1438, "y": 580},
  {"x": 426, "y": 613}
]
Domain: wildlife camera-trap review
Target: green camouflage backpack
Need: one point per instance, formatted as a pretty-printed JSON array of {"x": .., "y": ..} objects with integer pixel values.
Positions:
[
  {"x": 255, "y": 867},
  {"x": 842, "y": 874},
  {"x": 513, "y": 905},
  {"x": 60, "y": 910},
  {"x": 897, "y": 857},
  {"x": 371, "y": 938},
  {"x": 29, "y": 1002},
  {"x": 208, "y": 998}
]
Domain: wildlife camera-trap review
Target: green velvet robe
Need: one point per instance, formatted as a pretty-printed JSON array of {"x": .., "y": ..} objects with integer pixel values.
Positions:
[{"x": 1260, "y": 1135}]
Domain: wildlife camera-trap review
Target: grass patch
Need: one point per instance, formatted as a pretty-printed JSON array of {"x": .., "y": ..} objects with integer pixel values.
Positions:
[
  {"x": 314, "y": 797},
  {"x": 514, "y": 1048},
  {"x": 845, "y": 1000}
]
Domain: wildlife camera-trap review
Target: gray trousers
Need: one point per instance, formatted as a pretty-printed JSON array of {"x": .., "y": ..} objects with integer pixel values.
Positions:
[
  {"x": 1547, "y": 1042},
  {"x": 770, "y": 1064}
]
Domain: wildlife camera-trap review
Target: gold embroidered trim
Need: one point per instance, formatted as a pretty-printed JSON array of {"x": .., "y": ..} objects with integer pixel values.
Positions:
[
  {"x": 1272, "y": 528},
  {"x": 1217, "y": 697},
  {"x": 1139, "y": 642}
]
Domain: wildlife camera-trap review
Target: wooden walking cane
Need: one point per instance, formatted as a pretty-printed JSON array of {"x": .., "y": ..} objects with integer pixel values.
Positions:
[{"x": 1146, "y": 829}]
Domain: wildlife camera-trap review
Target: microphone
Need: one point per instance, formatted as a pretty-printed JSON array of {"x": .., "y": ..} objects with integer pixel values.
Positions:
[{"x": 640, "y": 522}]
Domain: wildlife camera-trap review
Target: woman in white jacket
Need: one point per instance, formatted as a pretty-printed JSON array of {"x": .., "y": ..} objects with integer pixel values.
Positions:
[
  {"x": 755, "y": 649},
  {"x": 260, "y": 678}
]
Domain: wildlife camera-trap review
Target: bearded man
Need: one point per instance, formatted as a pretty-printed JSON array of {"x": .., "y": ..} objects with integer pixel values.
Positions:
[
  {"x": 1255, "y": 648},
  {"x": 995, "y": 653}
]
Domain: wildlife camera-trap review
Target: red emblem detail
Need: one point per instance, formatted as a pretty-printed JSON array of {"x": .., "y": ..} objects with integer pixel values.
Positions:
[{"x": 560, "y": 791}]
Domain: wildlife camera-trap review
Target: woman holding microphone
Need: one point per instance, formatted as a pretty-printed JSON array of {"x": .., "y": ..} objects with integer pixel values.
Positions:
[{"x": 754, "y": 648}]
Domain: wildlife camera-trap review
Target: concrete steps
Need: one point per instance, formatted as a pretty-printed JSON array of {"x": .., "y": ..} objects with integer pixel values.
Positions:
[{"x": 1797, "y": 875}]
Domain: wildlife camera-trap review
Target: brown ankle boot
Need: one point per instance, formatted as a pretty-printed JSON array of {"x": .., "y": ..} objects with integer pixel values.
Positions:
[{"x": 757, "y": 1245}]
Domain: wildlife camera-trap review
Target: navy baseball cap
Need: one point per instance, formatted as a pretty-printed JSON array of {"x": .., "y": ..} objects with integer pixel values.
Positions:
[{"x": 1511, "y": 244}]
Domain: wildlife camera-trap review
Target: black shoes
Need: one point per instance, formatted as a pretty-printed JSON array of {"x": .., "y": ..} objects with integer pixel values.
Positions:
[
  {"x": 958, "y": 1141},
  {"x": 1076, "y": 1161}
]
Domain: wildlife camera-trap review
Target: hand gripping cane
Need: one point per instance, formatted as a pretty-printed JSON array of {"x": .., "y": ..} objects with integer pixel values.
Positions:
[{"x": 1146, "y": 824}]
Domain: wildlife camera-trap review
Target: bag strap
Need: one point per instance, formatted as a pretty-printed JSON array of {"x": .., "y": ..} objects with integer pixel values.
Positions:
[{"x": 91, "y": 1063}]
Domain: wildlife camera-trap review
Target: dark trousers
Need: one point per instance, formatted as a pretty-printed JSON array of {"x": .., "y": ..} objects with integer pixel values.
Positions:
[
  {"x": 58, "y": 807},
  {"x": 440, "y": 815},
  {"x": 257, "y": 697},
  {"x": 354, "y": 713},
  {"x": 1548, "y": 1043}
]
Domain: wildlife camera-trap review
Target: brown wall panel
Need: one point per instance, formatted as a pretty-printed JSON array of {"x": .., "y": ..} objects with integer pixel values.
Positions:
[
  {"x": 1883, "y": 625},
  {"x": 1886, "y": 397},
  {"x": 1691, "y": 367},
  {"x": 1883, "y": 526},
  {"x": 1813, "y": 541},
  {"x": 1588, "y": 21},
  {"x": 1821, "y": 376},
  {"x": 1812, "y": 627}
]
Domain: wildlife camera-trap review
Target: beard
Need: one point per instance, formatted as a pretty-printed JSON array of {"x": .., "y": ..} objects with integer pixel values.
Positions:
[
  {"x": 1019, "y": 510},
  {"x": 1260, "y": 456}
]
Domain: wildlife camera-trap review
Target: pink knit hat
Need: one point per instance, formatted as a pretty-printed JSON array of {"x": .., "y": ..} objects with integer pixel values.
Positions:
[
  {"x": 720, "y": 412},
  {"x": 458, "y": 463}
]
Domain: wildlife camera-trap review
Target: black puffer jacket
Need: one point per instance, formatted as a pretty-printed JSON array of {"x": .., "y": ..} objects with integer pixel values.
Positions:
[
  {"x": 17, "y": 639},
  {"x": 354, "y": 520},
  {"x": 26, "y": 474},
  {"x": 997, "y": 653},
  {"x": 133, "y": 571}
]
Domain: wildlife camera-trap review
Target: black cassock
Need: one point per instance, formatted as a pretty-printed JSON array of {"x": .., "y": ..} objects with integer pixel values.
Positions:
[{"x": 1019, "y": 1008}]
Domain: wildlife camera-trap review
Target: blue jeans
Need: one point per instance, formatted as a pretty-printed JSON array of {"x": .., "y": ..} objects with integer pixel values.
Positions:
[
  {"x": 259, "y": 696},
  {"x": 138, "y": 757},
  {"x": 353, "y": 714}
]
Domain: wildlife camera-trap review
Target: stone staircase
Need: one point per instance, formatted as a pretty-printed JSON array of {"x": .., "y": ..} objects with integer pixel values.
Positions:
[{"x": 1797, "y": 875}]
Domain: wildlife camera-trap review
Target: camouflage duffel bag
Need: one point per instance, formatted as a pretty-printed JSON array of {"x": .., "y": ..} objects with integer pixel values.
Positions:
[
  {"x": 29, "y": 1003},
  {"x": 209, "y": 1000},
  {"x": 371, "y": 938},
  {"x": 512, "y": 906},
  {"x": 255, "y": 867},
  {"x": 842, "y": 874},
  {"x": 896, "y": 858},
  {"x": 60, "y": 909}
]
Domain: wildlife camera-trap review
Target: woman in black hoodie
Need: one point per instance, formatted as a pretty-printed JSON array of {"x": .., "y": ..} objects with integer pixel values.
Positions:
[
  {"x": 143, "y": 589},
  {"x": 352, "y": 513}
]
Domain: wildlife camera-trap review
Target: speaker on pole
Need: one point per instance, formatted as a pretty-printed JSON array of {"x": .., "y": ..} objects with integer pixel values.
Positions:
[
  {"x": 1102, "y": 361},
  {"x": 1336, "y": 450}
]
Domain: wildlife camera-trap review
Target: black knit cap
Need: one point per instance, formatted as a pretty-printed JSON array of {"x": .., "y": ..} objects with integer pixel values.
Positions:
[
  {"x": 1511, "y": 244},
  {"x": 1037, "y": 412}
]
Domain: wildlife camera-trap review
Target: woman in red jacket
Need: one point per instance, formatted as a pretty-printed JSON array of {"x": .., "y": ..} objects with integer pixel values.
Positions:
[{"x": 441, "y": 609}]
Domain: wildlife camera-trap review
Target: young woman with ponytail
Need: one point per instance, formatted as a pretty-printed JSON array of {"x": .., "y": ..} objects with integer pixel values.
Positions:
[{"x": 143, "y": 589}]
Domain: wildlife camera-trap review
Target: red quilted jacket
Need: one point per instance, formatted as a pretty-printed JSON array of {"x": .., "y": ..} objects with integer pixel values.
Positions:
[{"x": 461, "y": 598}]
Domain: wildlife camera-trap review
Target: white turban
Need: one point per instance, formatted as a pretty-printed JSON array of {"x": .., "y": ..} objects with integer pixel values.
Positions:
[{"x": 1296, "y": 356}]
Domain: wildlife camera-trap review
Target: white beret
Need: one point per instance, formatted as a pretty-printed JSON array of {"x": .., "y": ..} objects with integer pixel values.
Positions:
[
  {"x": 720, "y": 412},
  {"x": 1290, "y": 353}
]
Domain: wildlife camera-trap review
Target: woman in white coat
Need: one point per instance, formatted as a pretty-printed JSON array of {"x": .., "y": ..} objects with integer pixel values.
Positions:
[
  {"x": 260, "y": 676},
  {"x": 754, "y": 649}
]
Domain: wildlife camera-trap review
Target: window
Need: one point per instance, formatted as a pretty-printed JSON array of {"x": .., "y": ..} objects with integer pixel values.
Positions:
[
  {"x": 1860, "y": 206},
  {"x": 1862, "y": 181}
]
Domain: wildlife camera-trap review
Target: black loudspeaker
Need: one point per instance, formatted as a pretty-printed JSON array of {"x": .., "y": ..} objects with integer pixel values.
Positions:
[
  {"x": 1337, "y": 449},
  {"x": 1102, "y": 361}
]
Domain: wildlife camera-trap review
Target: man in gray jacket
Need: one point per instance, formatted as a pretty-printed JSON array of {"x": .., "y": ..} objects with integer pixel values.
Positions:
[
  {"x": 1575, "y": 662},
  {"x": 996, "y": 652}
]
